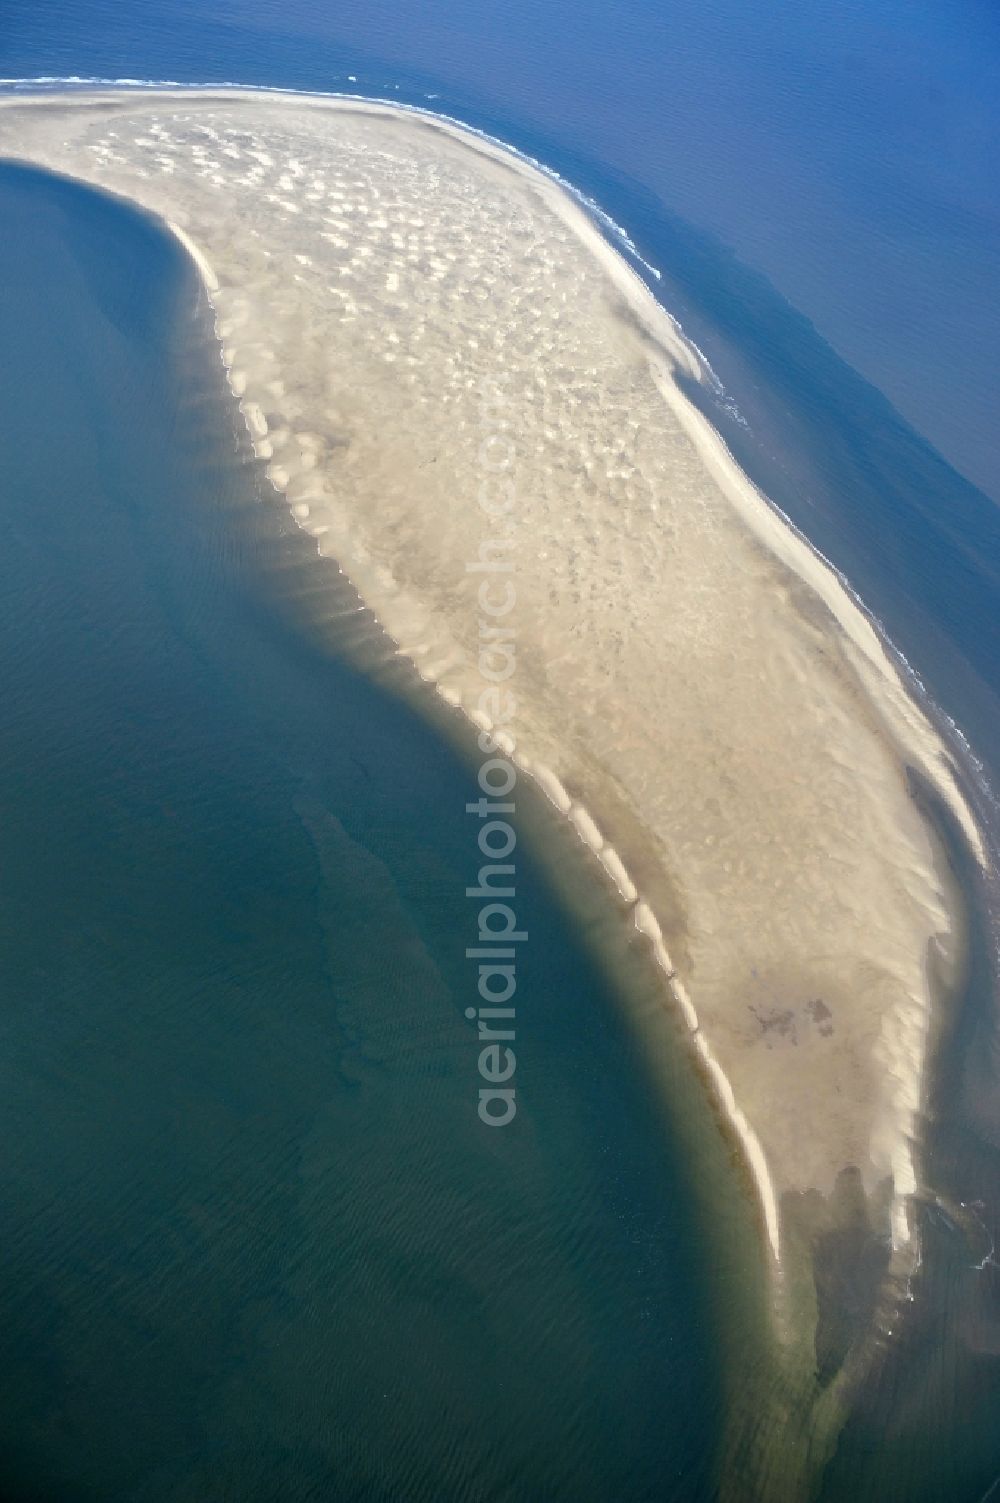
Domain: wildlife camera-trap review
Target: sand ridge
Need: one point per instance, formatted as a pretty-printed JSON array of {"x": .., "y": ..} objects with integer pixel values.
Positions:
[{"x": 696, "y": 690}]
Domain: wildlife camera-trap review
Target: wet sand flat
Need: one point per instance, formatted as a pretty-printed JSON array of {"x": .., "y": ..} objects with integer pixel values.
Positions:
[{"x": 458, "y": 386}]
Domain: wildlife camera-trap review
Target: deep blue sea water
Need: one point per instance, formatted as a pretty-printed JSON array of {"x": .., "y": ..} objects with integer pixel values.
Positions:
[{"x": 817, "y": 187}]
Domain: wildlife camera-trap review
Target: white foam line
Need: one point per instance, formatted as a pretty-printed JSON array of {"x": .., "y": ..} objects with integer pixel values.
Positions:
[{"x": 198, "y": 257}]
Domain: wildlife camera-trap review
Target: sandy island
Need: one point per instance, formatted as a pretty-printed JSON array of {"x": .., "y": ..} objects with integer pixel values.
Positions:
[{"x": 694, "y": 688}]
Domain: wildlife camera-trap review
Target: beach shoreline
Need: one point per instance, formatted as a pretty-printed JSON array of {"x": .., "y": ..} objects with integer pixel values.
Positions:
[{"x": 901, "y": 721}]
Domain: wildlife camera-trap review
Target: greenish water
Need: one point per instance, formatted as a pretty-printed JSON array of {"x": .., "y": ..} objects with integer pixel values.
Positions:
[{"x": 255, "y": 1242}]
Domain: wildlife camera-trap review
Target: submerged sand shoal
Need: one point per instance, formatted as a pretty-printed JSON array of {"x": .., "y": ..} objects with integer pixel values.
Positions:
[{"x": 445, "y": 365}]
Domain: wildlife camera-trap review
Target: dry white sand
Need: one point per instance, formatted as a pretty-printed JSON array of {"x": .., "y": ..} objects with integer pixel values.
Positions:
[{"x": 691, "y": 682}]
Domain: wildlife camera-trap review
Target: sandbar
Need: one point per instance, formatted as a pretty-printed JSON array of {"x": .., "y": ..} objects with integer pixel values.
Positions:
[{"x": 453, "y": 378}]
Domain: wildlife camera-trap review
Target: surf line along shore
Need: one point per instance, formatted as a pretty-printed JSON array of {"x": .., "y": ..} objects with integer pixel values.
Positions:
[{"x": 697, "y": 691}]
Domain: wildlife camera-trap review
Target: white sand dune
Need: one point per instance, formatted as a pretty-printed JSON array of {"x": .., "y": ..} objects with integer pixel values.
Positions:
[{"x": 445, "y": 363}]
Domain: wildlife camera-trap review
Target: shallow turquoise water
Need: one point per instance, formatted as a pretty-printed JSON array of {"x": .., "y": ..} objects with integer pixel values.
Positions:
[{"x": 256, "y": 1243}]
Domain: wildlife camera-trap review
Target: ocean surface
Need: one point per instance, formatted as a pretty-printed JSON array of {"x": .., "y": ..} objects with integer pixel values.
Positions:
[{"x": 233, "y": 869}]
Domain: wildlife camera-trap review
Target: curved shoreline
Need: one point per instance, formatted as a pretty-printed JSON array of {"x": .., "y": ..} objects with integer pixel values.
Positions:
[{"x": 901, "y": 719}]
